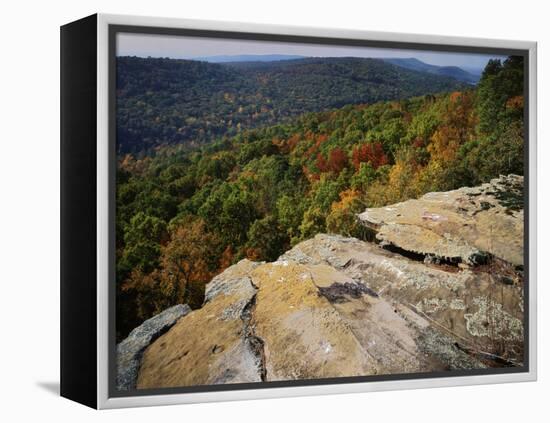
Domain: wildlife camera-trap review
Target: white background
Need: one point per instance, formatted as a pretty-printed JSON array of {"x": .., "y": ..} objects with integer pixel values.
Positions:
[{"x": 29, "y": 212}]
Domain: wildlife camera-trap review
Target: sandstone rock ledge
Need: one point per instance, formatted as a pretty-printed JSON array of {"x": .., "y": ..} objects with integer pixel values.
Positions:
[
  {"x": 334, "y": 306},
  {"x": 459, "y": 226}
]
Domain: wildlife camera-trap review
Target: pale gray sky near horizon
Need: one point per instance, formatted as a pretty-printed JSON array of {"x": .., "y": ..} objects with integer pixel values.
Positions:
[{"x": 183, "y": 47}]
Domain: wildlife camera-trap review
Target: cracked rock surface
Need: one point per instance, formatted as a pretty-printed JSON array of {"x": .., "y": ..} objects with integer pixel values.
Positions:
[{"x": 335, "y": 306}]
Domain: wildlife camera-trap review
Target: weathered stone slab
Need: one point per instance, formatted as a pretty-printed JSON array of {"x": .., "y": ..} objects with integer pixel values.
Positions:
[
  {"x": 130, "y": 350},
  {"x": 463, "y": 224},
  {"x": 303, "y": 336},
  {"x": 230, "y": 280},
  {"x": 211, "y": 345},
  {"x": 456, "y": 302}
]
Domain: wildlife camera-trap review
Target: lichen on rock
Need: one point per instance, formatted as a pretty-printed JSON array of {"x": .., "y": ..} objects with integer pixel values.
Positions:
[{"x": 491, "y": 320}]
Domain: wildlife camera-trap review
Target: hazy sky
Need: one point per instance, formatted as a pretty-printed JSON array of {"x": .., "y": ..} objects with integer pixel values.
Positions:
[{"x": 180, "y": 47}]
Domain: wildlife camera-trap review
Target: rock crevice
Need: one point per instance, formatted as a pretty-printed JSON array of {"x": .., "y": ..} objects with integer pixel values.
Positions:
[{"x": 254, "y": 342}]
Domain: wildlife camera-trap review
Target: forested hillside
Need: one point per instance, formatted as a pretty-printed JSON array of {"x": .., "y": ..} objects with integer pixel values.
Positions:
[
  {"x": 167, "y": 101},
  {"x": 184, "y": 216},
  {"x": 452, "y": 71}
]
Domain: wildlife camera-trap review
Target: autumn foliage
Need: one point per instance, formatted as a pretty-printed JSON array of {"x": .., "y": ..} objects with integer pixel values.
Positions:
[
  {"x": 337, "y": 160},
  {"x": 182, "y": 272},
  {"x": 321, "y": 163},
  {"x": 372, "y": 153}
]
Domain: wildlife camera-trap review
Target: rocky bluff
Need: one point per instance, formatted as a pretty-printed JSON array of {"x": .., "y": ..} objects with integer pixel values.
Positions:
[{"x": 441, "y": 288}]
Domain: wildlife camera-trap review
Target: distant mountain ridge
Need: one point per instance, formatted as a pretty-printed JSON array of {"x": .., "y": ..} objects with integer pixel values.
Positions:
[
  {"x": 452, "y": 71},
  {"x": 248, "y": 58},
  {"x": 469, "y": 75}
]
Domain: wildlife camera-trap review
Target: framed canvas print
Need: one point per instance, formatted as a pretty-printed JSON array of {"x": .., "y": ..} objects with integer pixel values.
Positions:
[{"x": 254, "y": 211}]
